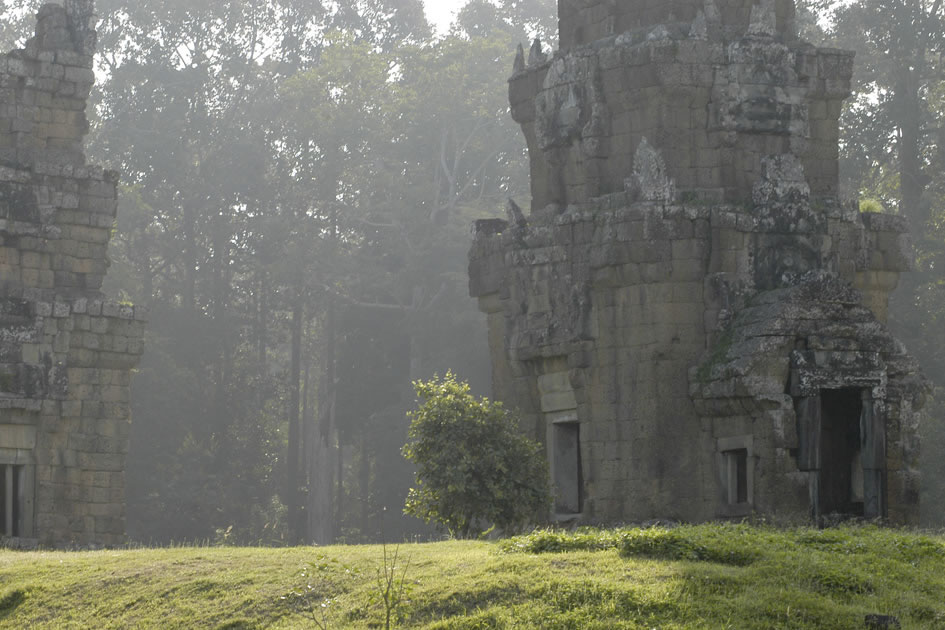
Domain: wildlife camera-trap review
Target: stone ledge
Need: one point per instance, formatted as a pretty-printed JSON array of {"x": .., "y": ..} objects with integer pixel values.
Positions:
[{"x": 110, "y": 309}]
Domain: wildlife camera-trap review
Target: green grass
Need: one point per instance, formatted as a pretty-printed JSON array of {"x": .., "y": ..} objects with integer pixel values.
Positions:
[{"x": 709, "y": 576}]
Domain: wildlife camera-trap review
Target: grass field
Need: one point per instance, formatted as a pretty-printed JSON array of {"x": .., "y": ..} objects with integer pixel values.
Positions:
[{"x": 710, "y": 576}]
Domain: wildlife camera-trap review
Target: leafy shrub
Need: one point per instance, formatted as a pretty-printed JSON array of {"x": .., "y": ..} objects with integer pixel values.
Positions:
[
  {"x": 872, "y": 205},
  {"x": 474, "y": 469}
]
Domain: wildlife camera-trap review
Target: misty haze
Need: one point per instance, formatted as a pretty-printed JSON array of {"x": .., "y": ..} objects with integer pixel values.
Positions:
[{"x": 359, "y": 274}]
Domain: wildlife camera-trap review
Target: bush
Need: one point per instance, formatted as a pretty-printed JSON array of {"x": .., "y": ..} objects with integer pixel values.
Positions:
[
  {"x": 474, "y": 469},
  {"x": 871, "y": 206}
]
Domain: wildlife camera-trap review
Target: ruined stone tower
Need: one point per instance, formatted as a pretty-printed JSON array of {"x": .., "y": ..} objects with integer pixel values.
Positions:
[
  {"x": 689, "y": 318},
  {"x": 66, "y": 353}
]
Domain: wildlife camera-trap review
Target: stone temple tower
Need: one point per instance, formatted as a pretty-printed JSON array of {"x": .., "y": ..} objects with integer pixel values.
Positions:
[
  {"x": 66, "y": 353},
  {"x": 689, "y": 318}
]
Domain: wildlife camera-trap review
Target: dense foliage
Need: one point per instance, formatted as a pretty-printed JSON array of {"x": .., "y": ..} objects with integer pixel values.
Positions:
[{"x": 475, "y": 470}]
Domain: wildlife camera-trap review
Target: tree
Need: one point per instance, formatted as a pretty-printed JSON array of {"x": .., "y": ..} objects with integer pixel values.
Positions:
[
  {"x": 474, "y": 469},
  {"x": 889, "y": 128}
]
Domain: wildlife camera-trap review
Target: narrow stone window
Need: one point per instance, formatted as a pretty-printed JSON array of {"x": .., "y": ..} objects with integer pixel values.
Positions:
[
  {"x": 11, "y": 499},
  {"x": 566, "y": 464},
  {"x": 736, "y": 461},
  {"x": 737, "y": 468}
]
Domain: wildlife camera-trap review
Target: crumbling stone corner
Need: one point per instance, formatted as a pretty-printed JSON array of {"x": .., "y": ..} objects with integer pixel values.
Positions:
[{"x": 66, "y": 352}]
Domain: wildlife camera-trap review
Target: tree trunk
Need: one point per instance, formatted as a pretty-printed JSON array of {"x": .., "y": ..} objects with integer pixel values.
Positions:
[
  {"x": 221, "y": 281},
  {"x": 189, "y": 292},
  {"x": 262, "y": 323},
  {"x": 322, "y": 456},
  {"x": 307, "y": 431},
  {"x": 145, "y": 270},
  {"x": 364, "y": 483},
  {"x": 339, "y": 483},
  {"x": 911, "y": 177},
  {"x": 292, "y": 460}
]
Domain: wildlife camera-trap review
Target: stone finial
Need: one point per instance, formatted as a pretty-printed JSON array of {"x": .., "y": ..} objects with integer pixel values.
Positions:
[
  {"x": 536, "y": 55},
  {"x": 650, "y": 180},
  {"x": 519, "y": 64},
  {"x": 782, "y": 181},
  {"x": 707, "y": 23},
  {"x": 763, "y": 21},
  {"x": 699, "y": 28},
  {"x": 712, "y": 14},
  {"x": 515, "y": 214}
]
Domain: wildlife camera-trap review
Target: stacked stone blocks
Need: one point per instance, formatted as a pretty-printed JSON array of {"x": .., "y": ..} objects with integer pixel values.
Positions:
[{"x": 66, "y": 352}]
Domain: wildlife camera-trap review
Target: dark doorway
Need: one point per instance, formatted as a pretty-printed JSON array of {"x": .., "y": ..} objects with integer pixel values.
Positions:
[
  {"x": 10, "y": 500},
  {"x": 566, "y": 460},
  {"x": 841, "y": 466}
]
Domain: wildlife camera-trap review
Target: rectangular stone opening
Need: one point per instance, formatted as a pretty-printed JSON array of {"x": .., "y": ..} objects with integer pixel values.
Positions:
[
  {"x": 736, "y": 463},
  {"x": 841, "y": 465},
  {"x": 12, "y": 500},
  {"x": 566, "y": 464}
]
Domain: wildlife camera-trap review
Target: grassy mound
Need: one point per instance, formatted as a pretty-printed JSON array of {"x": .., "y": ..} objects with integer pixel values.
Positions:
[{"x": 707, "y": 576}]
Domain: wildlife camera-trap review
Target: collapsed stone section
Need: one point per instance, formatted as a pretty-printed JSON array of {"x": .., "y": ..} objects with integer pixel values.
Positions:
[
  {"x": 66, "y": 352},
  {"x": 689, "y": 317}
]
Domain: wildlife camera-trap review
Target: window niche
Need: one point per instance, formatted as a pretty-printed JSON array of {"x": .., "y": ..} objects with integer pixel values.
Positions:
[
  {"x": 559, "y": 405},
  {"x": 16, "y": 503},
  {"x": 566, "y": 466},
  {"x": 736, "y": 467}
]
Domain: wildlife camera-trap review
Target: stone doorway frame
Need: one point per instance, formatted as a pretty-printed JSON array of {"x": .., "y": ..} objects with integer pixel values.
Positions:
[
  {"x": 18, "y": 476},
  {"x": 812, "y": 373},
  {"x": 809, "y": 411}
]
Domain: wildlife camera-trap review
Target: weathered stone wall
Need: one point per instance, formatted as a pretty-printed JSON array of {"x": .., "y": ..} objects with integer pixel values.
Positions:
[
  {"x": 625, "y": 298},
  {"x": 713, "y": 107},
  {"x": 66, "y": 353},
  {"x": 687, "y": 286},
  {"x": 587, "y": 21}
]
